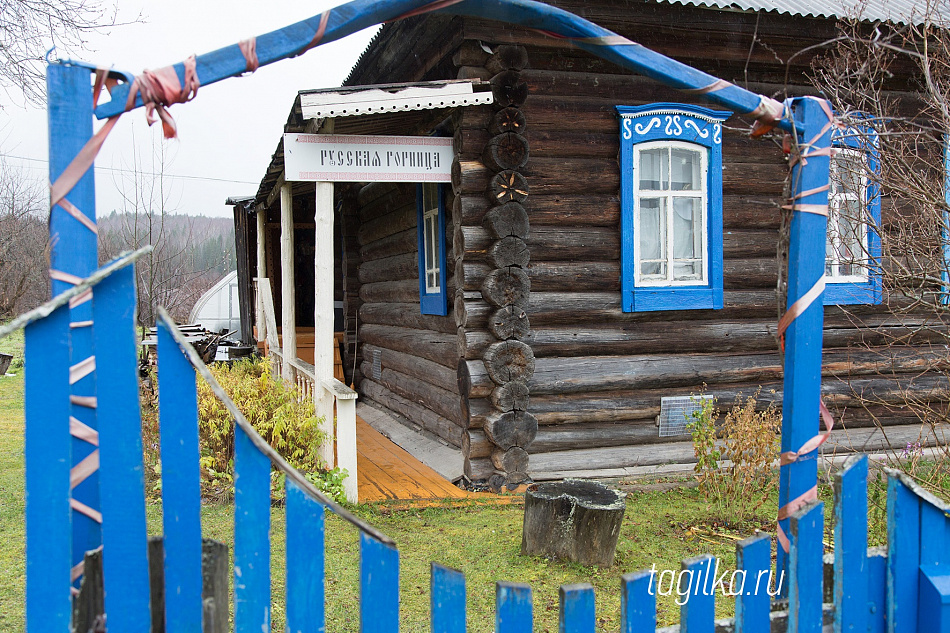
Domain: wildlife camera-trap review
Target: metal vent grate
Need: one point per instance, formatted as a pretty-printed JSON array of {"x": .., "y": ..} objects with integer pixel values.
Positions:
[
  {"x": 377, "y": 365},
  {"x": 676, "y": 412}
]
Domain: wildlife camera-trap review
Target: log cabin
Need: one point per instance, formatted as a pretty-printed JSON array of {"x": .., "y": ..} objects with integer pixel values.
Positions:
[{"x": 606, "y": 246}]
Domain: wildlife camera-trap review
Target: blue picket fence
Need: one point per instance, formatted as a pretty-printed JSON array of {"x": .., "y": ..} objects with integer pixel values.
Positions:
[{"x": 906, "y": 591}]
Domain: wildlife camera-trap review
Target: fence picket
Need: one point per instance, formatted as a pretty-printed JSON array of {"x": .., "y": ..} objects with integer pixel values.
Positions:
[
  {"x": 698, "y": 612},
  {"x": 903, "y": 556},
  {"x": 514, "y": 610},
  {"x": 122, "y": 480},
  {"x": 379, "y": 586},
  {"x": 934, "y": 535},
  {"x": 851, "y": 546},
  {"x": 806, "y": 569},
  {"x": 306, "y": 554},
  {"x": 447, "y": 595},
  {"x": 877, "y": 592},
  {"x": 181, "y": 485},
  {"x": 251, "y": 536},
  {"x": 577, "y": 608},
  {"x": 638, "y": 602},
  {"x": 48, "y": 457},
  {"x": 754, "y": 558}
]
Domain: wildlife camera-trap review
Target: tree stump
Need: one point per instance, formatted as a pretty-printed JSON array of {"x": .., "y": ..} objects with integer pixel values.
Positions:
[{"x": 573, "y": 520}]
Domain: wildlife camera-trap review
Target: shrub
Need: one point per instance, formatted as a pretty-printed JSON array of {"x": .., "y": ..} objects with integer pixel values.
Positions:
[
  {"x": 273, "y": 408},
  {"x": 748, "y": 439}
]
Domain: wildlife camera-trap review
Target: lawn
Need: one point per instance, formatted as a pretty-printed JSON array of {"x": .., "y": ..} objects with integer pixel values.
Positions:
[{"x": 659, "y": 528}]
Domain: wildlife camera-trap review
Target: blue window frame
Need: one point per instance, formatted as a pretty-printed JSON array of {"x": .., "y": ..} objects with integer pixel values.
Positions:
[
  {"x": 430, "y": 202},
  {"x": 671, "y": 207},
  {"x": 853, "y": 244}
]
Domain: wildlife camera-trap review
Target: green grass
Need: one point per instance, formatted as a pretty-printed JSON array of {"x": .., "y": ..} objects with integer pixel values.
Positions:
[{"x": 12, "y": 562}]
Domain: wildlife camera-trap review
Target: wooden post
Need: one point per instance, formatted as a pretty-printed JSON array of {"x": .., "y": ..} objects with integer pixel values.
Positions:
[
  {"x": 288, "y": 313},
  {"x": 74, "y": 256},
  {"x": 345, "y": 434},
  {"x": 323, "y": 341},
  {"x": 261, "y": 272},
  {"x": 803, "y": 338}
]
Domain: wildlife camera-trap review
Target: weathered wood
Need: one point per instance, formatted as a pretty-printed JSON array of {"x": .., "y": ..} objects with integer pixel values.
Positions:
[
  {"x": 431, "y": 421},
  {"x": 507, "y": 57},
  {"x": 474, "y": 72},
  {"x": 397, "y": 220},
  {"x": 605, "y": 373},
  {"x": 509, "y": 89},
  {"x": 509, "y": 219},
  {"x": 505, "y": 186},
  {"x": 507, "y": 150},
  {"x": 511, "y": 396},
  {"x": 750, "y": 273},
  {"x": 403, "y": 291},
  {"x": 412, "y": 365},
  {"x": 396, "y": 244},
  {"x": 547, "y": 243},
  {"x": 596, "y": 435},
  {"x": 405, "y": 315},
  {"x": 471, "y": 53},
  {"x": 501, "y": 286},
  {"x": 514, "y": 459},
  {"x": 511, "y": 428},
  {"x": 396, "y": 196},
  {"x": 508, "y": 251},
  {"x": 509, "y": 322},
  {"x": 434, "y": 346},
  {"x": 478, "y": 469},
  {"x": 89, "y": 605},
  {"x": 372, "y": 191},
  {"x": 476, "y": 444},
  {"x": 573, "y": 520},
  {"x": 395, "y": 268},
  {"x": 415, "y": 389},
  {"x": 472, "y": 344},
  {"x": 509, "y": 360},
  {"x": 507, "y": 120},
  {"x": 473, "y": 380}
]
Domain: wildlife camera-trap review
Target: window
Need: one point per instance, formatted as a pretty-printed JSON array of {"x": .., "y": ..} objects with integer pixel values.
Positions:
[
  {"x": 431, "y": 221},
  {"x": 671, "y": 207},
  {"x": 853, "y": 246}
]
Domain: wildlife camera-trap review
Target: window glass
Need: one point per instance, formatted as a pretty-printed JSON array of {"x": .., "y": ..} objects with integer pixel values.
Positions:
[{"x": 846, "y": 248}]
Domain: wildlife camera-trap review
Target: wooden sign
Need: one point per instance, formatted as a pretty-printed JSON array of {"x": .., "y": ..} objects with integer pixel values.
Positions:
[{"x": 346, "y": 158}]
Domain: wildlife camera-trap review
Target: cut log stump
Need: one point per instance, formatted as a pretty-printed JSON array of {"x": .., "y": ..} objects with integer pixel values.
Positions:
[{"x": 573, "y": 520}]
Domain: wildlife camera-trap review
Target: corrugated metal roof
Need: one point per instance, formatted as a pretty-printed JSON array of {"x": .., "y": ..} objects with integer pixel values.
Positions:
[{"x": 897, "y": 11}]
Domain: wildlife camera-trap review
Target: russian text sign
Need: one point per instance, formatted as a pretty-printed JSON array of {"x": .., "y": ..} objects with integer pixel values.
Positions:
[{"x": 346, "y": 158}]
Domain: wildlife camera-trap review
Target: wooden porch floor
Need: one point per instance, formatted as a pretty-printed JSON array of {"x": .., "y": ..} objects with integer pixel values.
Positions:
[{"x": 387, "y": 472}]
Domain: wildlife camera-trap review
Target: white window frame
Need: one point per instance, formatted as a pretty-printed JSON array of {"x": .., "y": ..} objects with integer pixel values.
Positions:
[
  {"x": 837, "y": 201},
  {"x": 430, "y": 241},
  {"x": 702, "y": 194}
]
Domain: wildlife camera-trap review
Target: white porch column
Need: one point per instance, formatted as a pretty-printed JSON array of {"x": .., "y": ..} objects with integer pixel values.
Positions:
[
  {"x": 288, "y": 316},
  {"x": 323, "y": 312},
  {"x": 261, "y": 272}
]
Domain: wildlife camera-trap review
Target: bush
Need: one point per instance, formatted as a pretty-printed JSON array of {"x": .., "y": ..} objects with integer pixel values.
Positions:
[
  {"x": 276, "y": 412},
  {"x": 748, "y": 439}
]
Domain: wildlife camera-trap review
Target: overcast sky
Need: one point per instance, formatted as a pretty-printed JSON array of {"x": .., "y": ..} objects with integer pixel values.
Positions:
[{"x": 226, "y": 135}]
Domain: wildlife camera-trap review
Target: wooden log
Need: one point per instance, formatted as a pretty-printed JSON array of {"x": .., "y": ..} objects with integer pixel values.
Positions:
[
  {"x": 473, "y": 380},
  {"x": 750, "y": 273},
  {"x": 509, "y": 360},
  {"x": 507, "y": 57},
  {"x": 511, "y": 428},
  {"x": 747, "y": 244},
  {"x": 507, "y": 150},
  {"x": 412, "y": 365},
  {"x": 573, "y": 520},
  {"x": 476, "y": 444},
  {"x": 474, "y": 72},
  {"x": 501, "y": 286},
  {"x": 395, "y": 268},
  {"x": 511, "y": 396},
  {"x": 472, "y": 344},
  {"x": 508, "y": 251},
  {"x": 431, "y": 421},
  {"x": 505, "y": 186},
  {"x": 606, "y": 373},
  {"x": 680, "y": 452},
  {"x": 394, "y": 197},
  {"x": 595, "y": 435},
  {"x": 434, "y": 346},
  {"x": 396, "y": 244},
  {"x": 506, "y": 120},
  {"x": 509, "y": 89},
  {"x": 478, "y": 469},
  {"x": 394, "y": 222},
  {"x": 514, "y": 459},
  {"x": 575, "y": 210},
  {"x": 404, "y": 291},
  {"x": 471, "y": 53},
  {"x": 415, "y": 389},
  {"x": 405, "y": 315},
  {"x": 547, "y": 243},
  {"x": 369, "y": 192},
  {"x": 509, "y": 219},
  {"x": 509, "y": 322}
]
